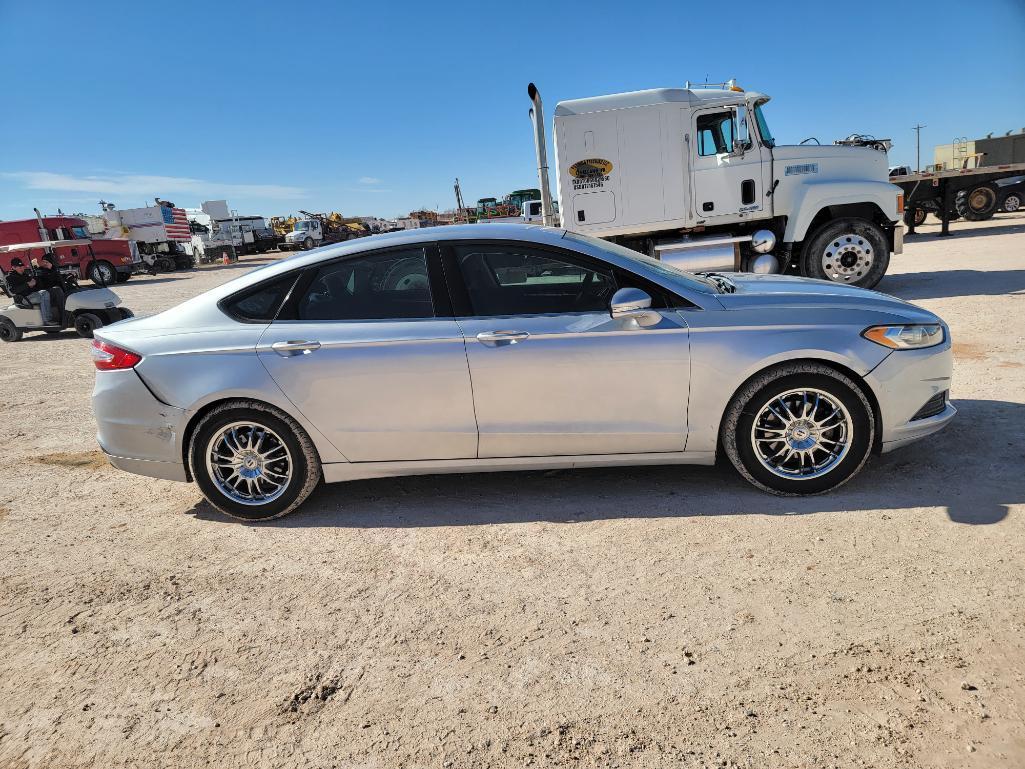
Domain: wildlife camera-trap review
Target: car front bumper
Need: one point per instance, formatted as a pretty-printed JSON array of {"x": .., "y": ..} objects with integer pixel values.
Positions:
[
  {"x": 137, "y": 432},
  {"x": 903, "y": 383}
]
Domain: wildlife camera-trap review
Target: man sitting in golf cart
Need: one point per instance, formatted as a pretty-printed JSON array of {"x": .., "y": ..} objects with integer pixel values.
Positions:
[
  {"x": 28, "y": 288},
  {"x": 52, "y": 281}
]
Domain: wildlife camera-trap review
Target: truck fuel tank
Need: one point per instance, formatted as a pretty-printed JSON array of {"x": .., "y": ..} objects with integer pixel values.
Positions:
[{"x": 717, "y": 253}]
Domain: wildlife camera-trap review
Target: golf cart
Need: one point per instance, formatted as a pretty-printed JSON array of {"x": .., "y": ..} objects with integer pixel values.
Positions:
[{"x": 85, "y": 309}]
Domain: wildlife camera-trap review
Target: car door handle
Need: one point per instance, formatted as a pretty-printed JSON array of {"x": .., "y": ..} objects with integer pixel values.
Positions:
[
  {"x": 500, "y": 338},
  {"x": 294, "y": 348}
]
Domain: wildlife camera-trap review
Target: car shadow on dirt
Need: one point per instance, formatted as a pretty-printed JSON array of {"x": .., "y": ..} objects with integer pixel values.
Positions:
[
  {"x": 973, "y": 469},
  {"x": 951, "y": 283}
]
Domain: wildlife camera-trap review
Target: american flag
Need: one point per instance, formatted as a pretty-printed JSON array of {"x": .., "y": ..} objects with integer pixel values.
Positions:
[{"x": 176, "y": 223}]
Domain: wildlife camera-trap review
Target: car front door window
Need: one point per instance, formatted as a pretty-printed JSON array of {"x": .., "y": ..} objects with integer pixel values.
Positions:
[{"x": 520, "y": 281}]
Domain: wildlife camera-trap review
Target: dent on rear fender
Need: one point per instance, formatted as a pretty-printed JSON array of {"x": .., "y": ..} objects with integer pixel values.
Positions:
[{"x": 194, "y": 381}]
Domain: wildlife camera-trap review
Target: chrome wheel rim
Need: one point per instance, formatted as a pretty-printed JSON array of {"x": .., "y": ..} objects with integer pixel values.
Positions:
[
  {"x": 847, "y": 258},
  {"x": 802, "y": 434},
  {"x": 1012, "y": 203},
  {"x": 249, "y": 463}
]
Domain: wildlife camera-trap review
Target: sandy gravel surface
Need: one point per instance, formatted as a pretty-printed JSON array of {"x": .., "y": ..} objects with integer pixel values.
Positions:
[{"x": 597, "y": 618}]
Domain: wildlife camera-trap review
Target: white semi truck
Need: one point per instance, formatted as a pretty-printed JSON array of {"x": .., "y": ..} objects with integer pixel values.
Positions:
[{"x": 693, "y": 176}]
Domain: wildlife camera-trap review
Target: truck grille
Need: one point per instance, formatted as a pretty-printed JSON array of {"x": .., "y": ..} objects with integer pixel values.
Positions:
[{"x": 933, "y": 406}]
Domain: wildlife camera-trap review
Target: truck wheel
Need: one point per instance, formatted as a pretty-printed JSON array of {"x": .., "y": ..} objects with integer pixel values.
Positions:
[
  {"x": 8, "y": 331},
  {"x": 977, "y": 204},
  {"x": 86, "y": 324},
  {"x": 102, "y": 273},
  {"x": 308, "y": 243},
  {"x": 1012, "y": 202},
  {"x": 851, "y": 251},
  {"x": 914, "y": 216}
]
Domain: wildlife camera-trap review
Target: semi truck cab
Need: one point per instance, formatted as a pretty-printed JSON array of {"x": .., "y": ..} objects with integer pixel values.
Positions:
[{"x": 694, "y": 176}]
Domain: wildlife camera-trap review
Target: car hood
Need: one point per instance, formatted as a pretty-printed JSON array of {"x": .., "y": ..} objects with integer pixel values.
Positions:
[{"x": 782, "y": 291}]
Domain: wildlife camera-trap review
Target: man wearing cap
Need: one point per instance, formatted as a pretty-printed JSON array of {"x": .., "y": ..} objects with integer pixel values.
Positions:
[
  {"x": 49, "y": 279},
  {"x": 24, "y": 285}
]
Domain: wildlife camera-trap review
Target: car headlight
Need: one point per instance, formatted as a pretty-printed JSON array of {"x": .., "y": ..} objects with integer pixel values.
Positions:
[{"x": 906, "y": 336}]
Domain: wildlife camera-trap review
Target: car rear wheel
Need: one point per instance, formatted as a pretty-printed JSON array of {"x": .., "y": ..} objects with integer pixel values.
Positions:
[
  {"x": 851, "y": 251},
  {"x": 1012, "y": 202},
  {"x": 801, "y": 428},
  {"x": 253, "y": 462}
]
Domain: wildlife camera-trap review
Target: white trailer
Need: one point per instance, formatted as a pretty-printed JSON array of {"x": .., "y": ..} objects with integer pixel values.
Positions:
[{"x": 693, "y": 176}]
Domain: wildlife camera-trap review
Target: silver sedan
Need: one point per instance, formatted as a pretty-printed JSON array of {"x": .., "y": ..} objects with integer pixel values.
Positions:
[{"x": 511, "y": 347}]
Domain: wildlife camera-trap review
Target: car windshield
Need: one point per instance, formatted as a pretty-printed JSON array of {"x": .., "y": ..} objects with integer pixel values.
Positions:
[
  {"x": 763, "y": 127},
  {"x": 689, "y": 279}
]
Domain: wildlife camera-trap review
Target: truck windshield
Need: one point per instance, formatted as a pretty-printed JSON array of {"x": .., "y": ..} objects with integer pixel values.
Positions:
[
  {"x": 300, "y": 226},
  {"x": 80, "y": 233},
  {"x": 763, "y": 128}
]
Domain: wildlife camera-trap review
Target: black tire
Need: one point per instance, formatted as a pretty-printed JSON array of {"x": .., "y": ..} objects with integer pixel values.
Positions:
[
  {"x": 308, "y": 244},
  {"x": 86, "y": 324},
  {"x": 165, "y": 265},
  {"x": 915, "y": 217},
  {"x": 305, "y": 471},
  {"x": 849, "y": 238},
  {"x": 125, "y": 313},
  {"x": 8, "y": 331},
  {"x": 737, "y": 436},
  {"x": 102, "y": 273},
  {"x": 978, "y": 203}
]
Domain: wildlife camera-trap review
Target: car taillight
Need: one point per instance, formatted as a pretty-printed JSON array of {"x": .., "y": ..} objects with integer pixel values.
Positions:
[{"x": 108, "y": 357}]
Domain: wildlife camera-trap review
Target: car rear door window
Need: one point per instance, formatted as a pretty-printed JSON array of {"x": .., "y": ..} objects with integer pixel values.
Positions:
[
  {"x": 513, "y": 280},
  {"x": 381, "y": 286}
]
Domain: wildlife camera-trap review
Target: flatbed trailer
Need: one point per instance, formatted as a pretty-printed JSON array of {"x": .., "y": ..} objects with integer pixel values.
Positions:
[{"x": 938, "y": 192}]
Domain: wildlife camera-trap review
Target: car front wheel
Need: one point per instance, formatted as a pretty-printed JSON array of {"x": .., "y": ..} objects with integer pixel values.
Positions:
[
  {"x": 801, "y": 428},
  {"x": 253, "y": 462}
]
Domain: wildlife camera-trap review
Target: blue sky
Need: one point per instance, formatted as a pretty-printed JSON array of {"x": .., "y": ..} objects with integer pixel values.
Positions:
[{"x": 375, "y": 108}]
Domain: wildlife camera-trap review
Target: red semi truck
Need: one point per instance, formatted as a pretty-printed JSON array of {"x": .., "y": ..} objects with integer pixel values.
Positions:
[{"x": 111, "y": 260}]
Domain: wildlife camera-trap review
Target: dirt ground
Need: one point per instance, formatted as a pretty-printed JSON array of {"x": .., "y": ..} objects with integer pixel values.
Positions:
[{"x": 597, "y": 618}]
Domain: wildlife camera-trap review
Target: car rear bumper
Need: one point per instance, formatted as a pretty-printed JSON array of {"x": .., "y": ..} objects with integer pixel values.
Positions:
[
  {"x": 168, "y": 471},
  {"x": 136, "y": 431}
]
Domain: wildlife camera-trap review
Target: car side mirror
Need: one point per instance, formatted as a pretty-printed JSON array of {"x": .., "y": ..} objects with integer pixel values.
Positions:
[{"x": 633, "y": 304}]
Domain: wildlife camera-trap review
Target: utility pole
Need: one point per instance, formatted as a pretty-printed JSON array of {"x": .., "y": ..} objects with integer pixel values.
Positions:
[{"x": 918, "y": 147}]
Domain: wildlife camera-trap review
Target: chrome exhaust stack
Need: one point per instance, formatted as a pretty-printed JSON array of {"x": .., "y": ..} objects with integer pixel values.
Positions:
[{"x": 537, "y": 117}]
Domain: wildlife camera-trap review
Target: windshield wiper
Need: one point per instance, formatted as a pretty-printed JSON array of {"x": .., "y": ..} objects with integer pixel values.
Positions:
[{"x": 724, "y": 284}]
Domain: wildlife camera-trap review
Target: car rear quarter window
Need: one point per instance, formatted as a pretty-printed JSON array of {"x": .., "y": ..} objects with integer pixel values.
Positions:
[
  {"x": 260, "y": 303},
  {"x": 383, "y": 286}
]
